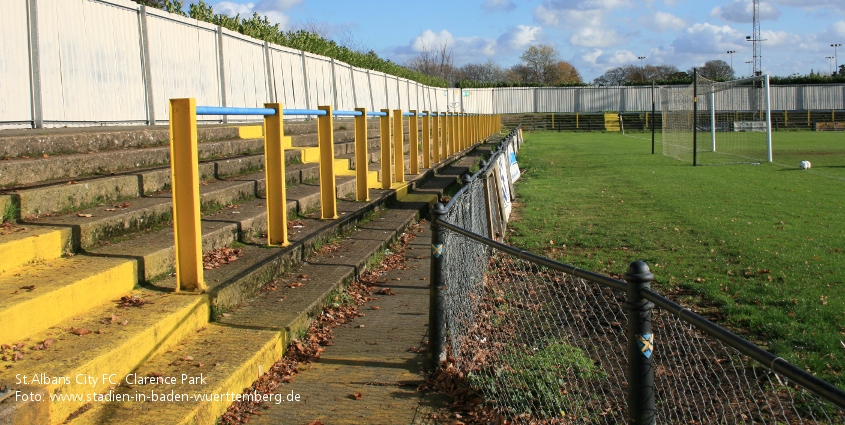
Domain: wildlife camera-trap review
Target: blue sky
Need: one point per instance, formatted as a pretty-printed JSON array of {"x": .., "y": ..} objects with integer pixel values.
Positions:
[{"x": 594, "y": 35}]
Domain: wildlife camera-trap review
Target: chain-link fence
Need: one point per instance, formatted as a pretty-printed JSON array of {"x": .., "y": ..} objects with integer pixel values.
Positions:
[{"x": 545, "y": 343}]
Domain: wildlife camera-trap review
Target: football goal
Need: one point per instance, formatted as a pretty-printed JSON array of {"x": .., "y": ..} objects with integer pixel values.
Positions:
[{"x": 714, "y": 123}]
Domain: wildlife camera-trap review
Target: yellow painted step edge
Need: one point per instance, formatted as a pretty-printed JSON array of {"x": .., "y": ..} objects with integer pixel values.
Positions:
[
  {"x": 37, "y": 314},
  {"x": 250, "y": 132},
  {"x": 36, "y": 247},
  {"x": 131, "y": 353}
]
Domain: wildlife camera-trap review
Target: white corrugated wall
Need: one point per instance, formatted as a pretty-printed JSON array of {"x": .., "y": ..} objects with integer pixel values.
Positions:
[
  {"x": 90, "y": 62},
  {"x": 91, "y": 56},
  {"x": 15, "y": 97},
  {"x": 187, "y": 69},
  {"x": 244, "y": 69}
]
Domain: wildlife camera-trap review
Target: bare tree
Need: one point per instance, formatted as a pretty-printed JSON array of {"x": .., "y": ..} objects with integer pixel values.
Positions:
[
  {"x": 716, "y": 70},
  {"x": 439, "y": 63},
  {"x": 542, "y": 62},
  {"x": 635, "y": 74},
  {"x": 488, "y": 72}
]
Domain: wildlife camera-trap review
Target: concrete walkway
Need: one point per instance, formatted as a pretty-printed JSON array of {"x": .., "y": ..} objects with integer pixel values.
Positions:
[{"x": 377, "y": 356}]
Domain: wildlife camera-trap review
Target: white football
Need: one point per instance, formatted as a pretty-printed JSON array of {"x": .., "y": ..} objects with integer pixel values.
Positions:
[{"x": 804, "y": 165}]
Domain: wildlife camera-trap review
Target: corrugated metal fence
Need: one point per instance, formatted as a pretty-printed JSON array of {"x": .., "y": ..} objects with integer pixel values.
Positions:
[{"x": 85, "y": 62}]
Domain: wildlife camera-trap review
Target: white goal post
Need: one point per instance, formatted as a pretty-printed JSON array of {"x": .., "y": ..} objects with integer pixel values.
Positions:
[{"x": 712, "y": 122}]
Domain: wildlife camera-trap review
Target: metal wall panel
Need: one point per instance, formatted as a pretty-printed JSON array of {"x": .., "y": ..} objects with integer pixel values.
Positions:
[
  {"x": 824, "y": 97},
  {"x": 558, "y": 99},
  {"x": 320, "y": 84},
  {"x": 514, "y": 100},
  {"x": 90, "y": 62},
  {"x": 15, "y": 83},
  {"x": 362, "y": 89},
  {"x": 378, "y": 87},
  {"x": 391, "y": 87},
  {"x": 183, "y": 62},
  {"x": 598, "y": 99},
  {"x": 245, "y": 72},
  {"x": 288, "y": 76},
  {"x": 344, "y": 84}
]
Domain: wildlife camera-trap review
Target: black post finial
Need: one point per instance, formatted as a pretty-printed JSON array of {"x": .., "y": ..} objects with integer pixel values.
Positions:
[
  {"x": 436, "y": 311},
  {"x": 640, "y": 345}
]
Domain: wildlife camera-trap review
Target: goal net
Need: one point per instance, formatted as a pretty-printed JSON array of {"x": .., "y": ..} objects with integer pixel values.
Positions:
[{"x": 729, "y": 124}]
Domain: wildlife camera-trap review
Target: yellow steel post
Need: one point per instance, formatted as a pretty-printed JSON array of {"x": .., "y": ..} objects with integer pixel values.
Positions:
[
  {"x": 785, "y": 119},
  {"x": 447, "y": 136},
  {"x": 426, "y": 141},
  {"x": 453, "y": 134},
  {"x": 185, "y": 183},
  {"x": 362, "y": 157},
  {"x": 461, "y": 129},
  {"x": 413, "y": 141},
  {"x": 435, "y": 134},
  {"x": 274, "y": 173},
  {"x": 384, "y": 135},
  {"x": 465, "y": 132},
  {"x": 576, "y": 121},
  {"x": 398, "y": 146},
  {"x": 328, "y": 186}
]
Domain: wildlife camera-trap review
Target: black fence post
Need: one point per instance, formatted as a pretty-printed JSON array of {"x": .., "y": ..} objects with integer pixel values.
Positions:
[
  {"x": 436, "y": 312},
  {"x": 640, "y": 346}
]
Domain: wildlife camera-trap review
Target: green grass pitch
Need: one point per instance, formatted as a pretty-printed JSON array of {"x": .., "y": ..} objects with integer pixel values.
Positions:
[{"x": 759, "y": 248}]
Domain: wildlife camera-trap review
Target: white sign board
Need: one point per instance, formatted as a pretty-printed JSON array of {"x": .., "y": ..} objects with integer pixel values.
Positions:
[
  {"x": 504, "y": 185},
  {"x": 514, "y": 167}
]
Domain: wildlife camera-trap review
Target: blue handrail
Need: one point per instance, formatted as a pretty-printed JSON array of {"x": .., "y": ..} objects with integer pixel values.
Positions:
[
  {"x": 377, "y": 114},
  {"x": 347, "y": 113},
  {"x": 318, "y": 112},
  {"x": 219, "y": 110}
]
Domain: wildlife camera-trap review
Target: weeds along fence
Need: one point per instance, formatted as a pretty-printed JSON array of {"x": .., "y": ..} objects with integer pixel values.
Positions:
[{"x": 545, "y": 342}]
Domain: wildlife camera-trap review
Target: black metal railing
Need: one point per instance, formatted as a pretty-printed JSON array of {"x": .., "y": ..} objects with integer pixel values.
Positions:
[{"x": 546, "y": 342}]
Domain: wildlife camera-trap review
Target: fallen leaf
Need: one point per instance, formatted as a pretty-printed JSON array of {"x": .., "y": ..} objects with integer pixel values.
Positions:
[
  {"x": 84, "y": 215},
  {"x": 28, "y": 288},
  {"x": 45, "y": 156},
  {"x": 81, "y": 331},
  {"x": 357, "y": 396}
]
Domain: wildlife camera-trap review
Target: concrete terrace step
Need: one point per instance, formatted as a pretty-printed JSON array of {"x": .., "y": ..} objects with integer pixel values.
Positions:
[
  {"x": 36, "y": 142},
  {"x": 158, "y": 337},
  {"x": 148, "y": 212},
  {"x": 227, "y": 355},
  {"x": 72, "y": 163},
  {"x": 249, "y": 339},
  {"x": 123, "y": 339},
  {"x": 58, "y": 289},
  {"x": 22, "y": 245},
  {"x": 66, "y": 196}
]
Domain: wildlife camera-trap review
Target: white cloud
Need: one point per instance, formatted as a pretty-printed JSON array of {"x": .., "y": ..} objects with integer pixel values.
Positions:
[
  {"x": 742, "y": 11},
  {"x": 709, "y": 39},
  {"x": 519, "y": 37},
  {"x": 502, "y": 5},
  {"x": 463, "y": 49},
  {"x": 431, "y": 41},
  {"x": 274, "y": 10},
  {"x": 836, "y": 5},
  {"x": 232, "y": 9},
  {"x": 586, "y": 19},
  {"x": 663, "y": 22}
]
